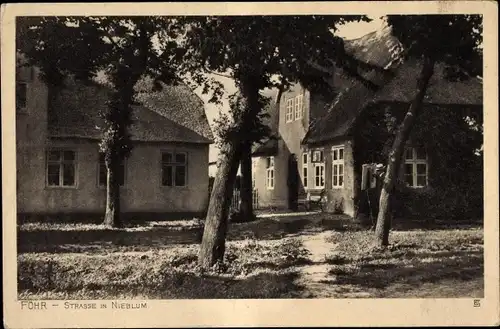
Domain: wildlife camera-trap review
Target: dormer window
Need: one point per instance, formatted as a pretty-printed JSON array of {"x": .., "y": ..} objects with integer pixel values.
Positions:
[{"x": 21, "y": 99}]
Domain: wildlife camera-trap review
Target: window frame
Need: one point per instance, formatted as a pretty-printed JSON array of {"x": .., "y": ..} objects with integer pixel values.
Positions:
[
  {"x": 270, "y": 168},
  {"x": 298, "y": 106},
  {"x": 174, "y": 165},
  {"x": 124, "y": 164},
  {"x": 414, "y": 162},
  {"x": 61, "y": 162},
  {"x": 289, "y": 109},
  {"x": 336, "y": 164},
  {"x": 321, "y": 164}
]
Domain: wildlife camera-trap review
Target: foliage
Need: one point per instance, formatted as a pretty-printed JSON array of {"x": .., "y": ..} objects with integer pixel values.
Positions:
[
  {"x": 84, "y": 46},
  {"x": 120, "y": 47},
  {"x": 455, "y": 165},
  {"x": 275, "y": 51},
  {"x": 226, "y": 125},
  {"x": 451, "y": 39},
  {"x": 257, "y": 52}
]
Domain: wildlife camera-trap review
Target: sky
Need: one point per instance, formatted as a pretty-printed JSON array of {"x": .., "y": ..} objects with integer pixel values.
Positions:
[{"x": 348, "y": 31}]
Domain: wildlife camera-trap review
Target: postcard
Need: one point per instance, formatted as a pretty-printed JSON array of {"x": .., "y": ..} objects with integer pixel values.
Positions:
[{"x": 250, "y": 164}]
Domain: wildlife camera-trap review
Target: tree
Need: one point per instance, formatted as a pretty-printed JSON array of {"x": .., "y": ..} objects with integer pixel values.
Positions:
[
  {"x": 253, "y": 50},
  {"x": 122, "y": 48},
  {"x": 451, "y": 40},
  {"x": 259, "y": 132},
  {"x": 225, "y": 127}
]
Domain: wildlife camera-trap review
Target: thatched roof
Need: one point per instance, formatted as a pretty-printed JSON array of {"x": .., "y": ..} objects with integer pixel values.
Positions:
[
  {"x": 398, "y": 85},
  {"x": 174, "y": 114},
  {"x": 440, "y": 91}
]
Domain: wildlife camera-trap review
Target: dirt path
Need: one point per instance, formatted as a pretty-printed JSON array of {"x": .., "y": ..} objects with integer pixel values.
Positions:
[{"x": 315, "y": 277}]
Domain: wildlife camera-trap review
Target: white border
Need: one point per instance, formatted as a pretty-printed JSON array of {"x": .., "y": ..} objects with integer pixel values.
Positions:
[{"x": 285, "y": 312}]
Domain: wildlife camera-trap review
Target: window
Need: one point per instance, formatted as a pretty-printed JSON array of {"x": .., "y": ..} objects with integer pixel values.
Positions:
[
  {"x": 319, "y": 169},
  {"x": 298, "y": 107},
  {"x": 174, "y": 169},
  {"x": 270, "y": 173},
  {"x": 21, "y": 99},
  {"x": 254, "y": 169},
  {"x": 319, "y": 175},
  {"x": 103, "y": 172},
  {"x": 415, "y": 167},
  {"x": 61, "y": 168},
  {"x": 304, "y": 169},
  {"x": 289, "y": 110},
  {"x": 337, "y": 166},
  {"x": 317, "y": 156}
]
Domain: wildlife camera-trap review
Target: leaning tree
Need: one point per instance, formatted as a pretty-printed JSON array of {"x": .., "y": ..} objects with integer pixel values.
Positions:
[
  {"x": 258, "y": 52},
  {"x": 121, "y": 47},
  {"x": 450, "y": 40}
]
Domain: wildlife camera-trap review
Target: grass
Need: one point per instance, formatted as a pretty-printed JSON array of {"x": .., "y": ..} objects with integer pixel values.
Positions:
[
  {"x": 265, "y": 258},
  {"x": 439, "y": 263},
  {"x": 163, "y": 273}
]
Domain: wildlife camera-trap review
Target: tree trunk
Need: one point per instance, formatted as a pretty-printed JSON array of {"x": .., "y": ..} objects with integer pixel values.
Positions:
[
  {"x": 214, "y": 235},
  {"x": 112, "y": 215},
  {"x": 395, "y": 155},
  {"x": 246, "y": 205}
]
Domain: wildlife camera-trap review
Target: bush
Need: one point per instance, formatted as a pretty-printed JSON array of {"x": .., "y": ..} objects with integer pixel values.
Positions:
[{"x": 452, "y": 204}]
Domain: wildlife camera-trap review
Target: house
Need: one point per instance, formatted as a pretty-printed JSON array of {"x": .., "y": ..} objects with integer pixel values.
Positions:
[
  {"x": 323, "y": 144},
  {"x": 61, "y": 172}
]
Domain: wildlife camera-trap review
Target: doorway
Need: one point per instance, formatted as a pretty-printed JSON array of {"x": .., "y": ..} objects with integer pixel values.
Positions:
[{"x": 293, "y": 182}]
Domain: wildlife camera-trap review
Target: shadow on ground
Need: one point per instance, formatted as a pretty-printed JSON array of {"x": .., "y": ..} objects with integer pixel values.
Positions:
[
  {"x": 392, "y": 277},
  {"x": 143, "y": 236},
  {"x": 87, "y": 240},
  {"x": 281, "y": 227},
  {"x": 98, "y": 238}
]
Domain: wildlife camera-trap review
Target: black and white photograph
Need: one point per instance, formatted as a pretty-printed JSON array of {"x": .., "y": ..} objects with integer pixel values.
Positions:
[{"x": 321, "y": 156}]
